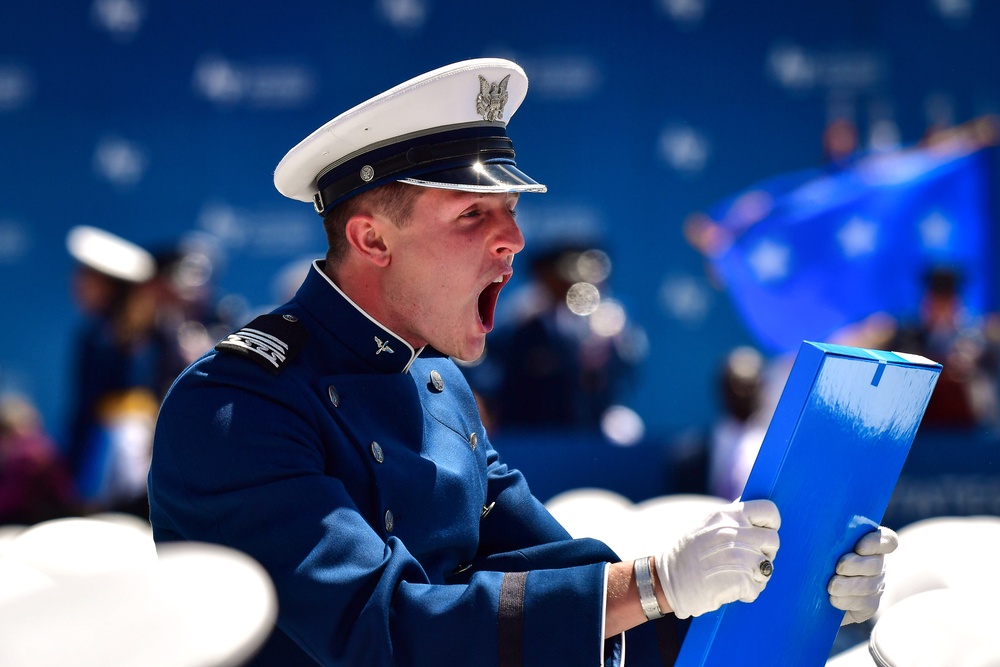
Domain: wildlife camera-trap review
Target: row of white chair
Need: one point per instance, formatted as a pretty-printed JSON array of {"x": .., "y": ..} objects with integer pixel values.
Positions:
[{"x": 95, "y": 591}]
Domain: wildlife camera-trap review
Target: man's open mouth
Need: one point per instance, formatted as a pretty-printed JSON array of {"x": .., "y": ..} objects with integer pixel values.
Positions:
[{"x": 488, "y": 302}]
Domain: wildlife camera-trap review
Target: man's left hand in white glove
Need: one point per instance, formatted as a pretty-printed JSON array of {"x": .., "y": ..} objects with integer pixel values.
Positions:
[{"x": 860, "y": 576}]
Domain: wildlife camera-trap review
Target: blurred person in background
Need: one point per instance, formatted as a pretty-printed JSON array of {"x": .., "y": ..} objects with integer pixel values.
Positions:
[
  {"x": 117, "y": 380},
  {"x": 840, "y": 143},
  {"x": 739, "y": 429},
  {"x": 190, "y": 316},
  {"x": 965, "y": 346},
  {"x": 35, "y": 483},
  {"x": 570, "y": 353}
]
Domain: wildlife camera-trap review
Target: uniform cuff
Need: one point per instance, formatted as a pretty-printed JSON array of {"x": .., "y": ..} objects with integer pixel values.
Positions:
[{"x": 612, "y": 651}]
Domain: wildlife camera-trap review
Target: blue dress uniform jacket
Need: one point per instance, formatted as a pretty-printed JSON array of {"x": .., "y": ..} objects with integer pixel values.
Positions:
[{"x": 358, "y": 472}]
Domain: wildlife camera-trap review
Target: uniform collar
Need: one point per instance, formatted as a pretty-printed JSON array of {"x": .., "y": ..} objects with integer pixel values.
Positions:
[{"x": 365, "y": 336}]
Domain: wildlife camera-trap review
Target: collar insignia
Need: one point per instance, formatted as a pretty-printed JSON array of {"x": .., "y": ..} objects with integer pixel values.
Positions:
[
  {"x": 383, "y": 347},
  {"x": 492, "y": 98}
]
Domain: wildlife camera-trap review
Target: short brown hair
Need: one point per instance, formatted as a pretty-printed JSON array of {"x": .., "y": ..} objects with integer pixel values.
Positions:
[{"x": 393, "y": 200}]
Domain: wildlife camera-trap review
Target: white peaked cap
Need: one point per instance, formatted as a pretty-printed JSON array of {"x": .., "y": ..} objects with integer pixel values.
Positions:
[
  {"x": 443, "y": 129},
  {"x": 110, "y": 254}
]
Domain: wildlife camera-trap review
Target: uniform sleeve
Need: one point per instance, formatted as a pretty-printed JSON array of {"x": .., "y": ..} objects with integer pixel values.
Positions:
[
  {"x": 519, "y": 527},
  {"x": 519, "y": 533},
  {"x": 235, "y": 467}
]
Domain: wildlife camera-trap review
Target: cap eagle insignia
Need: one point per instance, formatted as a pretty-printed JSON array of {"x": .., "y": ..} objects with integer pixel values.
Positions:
[{"x": 492, "y": 98}]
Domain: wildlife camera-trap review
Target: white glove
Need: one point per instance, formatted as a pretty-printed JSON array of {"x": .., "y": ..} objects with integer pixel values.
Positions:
[
  {"x": 720, "y": 561},
  {"x": 860, "y": 576}
]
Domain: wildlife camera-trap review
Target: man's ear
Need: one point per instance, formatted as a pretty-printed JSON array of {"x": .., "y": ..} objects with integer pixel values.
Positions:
[{"x": 364, "y": 233}]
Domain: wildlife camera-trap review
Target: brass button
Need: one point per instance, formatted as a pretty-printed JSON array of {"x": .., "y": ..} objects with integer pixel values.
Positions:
[
  {"x": 331, "y": 391},
  {"x": 437, "y": 382},
  {"x": 290, "y": 318},
  {"x": 389, "y": 521},
  {"x": 473, "y": 441},
  {"x": 377, "y": 452}
]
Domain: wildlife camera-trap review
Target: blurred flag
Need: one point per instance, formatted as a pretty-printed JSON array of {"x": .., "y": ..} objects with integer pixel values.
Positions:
[{"x": 806, "y": 254}]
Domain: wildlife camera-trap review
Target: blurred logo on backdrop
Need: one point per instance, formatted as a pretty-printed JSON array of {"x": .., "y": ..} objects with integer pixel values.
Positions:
[
  {"x": 228, "y": 83},
  {"x": 804, "y": 255},
  {"x": 17, "y": 86},
  {"x": 120, "y": 161},
  {"x": 121, "y": 19}
]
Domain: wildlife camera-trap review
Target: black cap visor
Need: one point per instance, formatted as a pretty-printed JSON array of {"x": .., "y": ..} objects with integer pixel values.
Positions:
[
  {"x": 479, "y": 177},
  {"x": 477, "y": 158}
]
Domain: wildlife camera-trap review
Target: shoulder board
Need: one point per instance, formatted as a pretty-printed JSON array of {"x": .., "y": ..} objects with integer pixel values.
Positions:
[{"x": 270, "y": 341}]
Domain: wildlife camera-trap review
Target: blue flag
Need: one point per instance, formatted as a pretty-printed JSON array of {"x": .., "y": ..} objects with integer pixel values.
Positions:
[{"x": 805, "y": 254}]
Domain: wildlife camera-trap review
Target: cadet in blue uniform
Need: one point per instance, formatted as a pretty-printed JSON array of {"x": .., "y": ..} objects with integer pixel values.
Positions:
[
  {"x": 336, "y": 442},
  {"x": 119, "y": 374}
]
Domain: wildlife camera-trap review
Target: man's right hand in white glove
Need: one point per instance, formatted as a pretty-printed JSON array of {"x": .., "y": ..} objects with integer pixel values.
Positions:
[{"x": 722, "y": 560}]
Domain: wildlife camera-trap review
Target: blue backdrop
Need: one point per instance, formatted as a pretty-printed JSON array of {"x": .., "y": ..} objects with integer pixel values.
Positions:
[{"x": 153, "y": 119}]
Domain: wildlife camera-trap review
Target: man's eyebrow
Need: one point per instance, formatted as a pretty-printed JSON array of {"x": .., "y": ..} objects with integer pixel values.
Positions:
[{"x": 470, "y": 198}]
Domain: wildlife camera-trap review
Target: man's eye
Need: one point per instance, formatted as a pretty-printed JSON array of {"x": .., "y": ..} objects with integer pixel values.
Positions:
[
  {"x": 513, "y": 213},
  {"x": 471, "y": 214}
]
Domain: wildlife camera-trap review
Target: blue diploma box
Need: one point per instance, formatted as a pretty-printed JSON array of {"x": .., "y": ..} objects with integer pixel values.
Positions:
[{"x": 830, "y": 460}]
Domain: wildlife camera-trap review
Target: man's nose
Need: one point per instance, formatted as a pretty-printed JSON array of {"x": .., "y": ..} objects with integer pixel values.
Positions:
[{"x": 510, "y": 240}]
